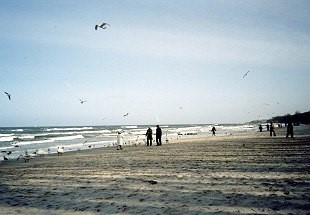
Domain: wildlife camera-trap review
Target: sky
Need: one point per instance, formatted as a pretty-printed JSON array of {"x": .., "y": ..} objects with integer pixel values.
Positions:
[{"x": 162, "y": 61}]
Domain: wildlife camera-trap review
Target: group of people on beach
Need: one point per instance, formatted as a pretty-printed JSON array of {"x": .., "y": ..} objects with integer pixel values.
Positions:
[
  {"x": 148, "y": 134},
  {"x": 271, "y": 129}
]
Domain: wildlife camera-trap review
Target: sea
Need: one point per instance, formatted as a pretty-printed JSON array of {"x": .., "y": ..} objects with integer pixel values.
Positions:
[{"x": 33, "y": 141}]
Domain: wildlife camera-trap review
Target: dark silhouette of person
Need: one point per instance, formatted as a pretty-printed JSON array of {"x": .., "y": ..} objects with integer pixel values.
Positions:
[
  {"x": 271, "y": 129},
  {"x": 290, "y": 130},
  {"x": 267, "y": 127},
  {"x": 158, "y": 135},
  {"x": 149, "y": 137},
  {"x": 213, "y": 131},
  {"x": 260, "y": 128}
]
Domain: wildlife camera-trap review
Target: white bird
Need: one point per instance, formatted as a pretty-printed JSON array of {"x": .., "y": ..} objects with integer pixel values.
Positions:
[
  {"x": 7, "y": 152},
  {"x": 126, "y": 114},
  {"x": 103, "y": 26},
  {"x": 40, "y": 152},
  {"x": 82, "y": 101},
  {"x": 246, "y": 74},
  {"x": 60, "y": 150},
  {"x": 8, "y": 95}
]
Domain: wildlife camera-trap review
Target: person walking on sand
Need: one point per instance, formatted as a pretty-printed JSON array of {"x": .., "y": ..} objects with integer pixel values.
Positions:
[
  {"x": 260, "y": 128},
  {"x": 267, "y": 127},
  {"x": 290, "y": 130},
  {"x": 119, "y": 140},
  {"x": 213, "y": 131},
  {"x": 158, "y": 135},
  {"x": 271, "y": 129},
  {"x": 149, "y": 137}
]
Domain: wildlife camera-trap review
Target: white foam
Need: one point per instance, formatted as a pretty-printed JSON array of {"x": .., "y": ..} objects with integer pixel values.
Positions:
[
  {"x": 6, "y": 139},
  {"x": 18, "y": 130},
  {"x": 130, "y": 126},
  {"x": 67, "y": 137},
  {"x": 33, "y": 142},
  {"x": 27, "y": 137},
  {"x": 6, "y": 135},
  {"x": 69, "y": 129}
]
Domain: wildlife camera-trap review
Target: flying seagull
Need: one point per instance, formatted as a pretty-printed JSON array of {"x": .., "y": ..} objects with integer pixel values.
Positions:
[
  {"x": 82, "y": 101},
  {"x": 103, "y": 26},
  {"x": 126, "y": 114},
  {"x": 246, "y": 74},
  {"x": 9, "y": 95}
]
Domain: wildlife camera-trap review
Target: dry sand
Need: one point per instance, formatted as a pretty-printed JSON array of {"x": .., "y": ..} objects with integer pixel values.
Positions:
[{"x": 240, "y": 174}]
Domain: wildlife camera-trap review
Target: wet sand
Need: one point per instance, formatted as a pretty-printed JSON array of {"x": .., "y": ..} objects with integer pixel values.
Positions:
[{"x": 238, "y": 174}]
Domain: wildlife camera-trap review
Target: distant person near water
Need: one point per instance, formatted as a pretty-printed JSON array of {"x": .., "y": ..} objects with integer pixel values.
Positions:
[
  {"x": 213, "y": 131},
  {"x": 271, "y": 129},
  {"x": 158, "y": 135},
  {"x": 290, "y": 130},
  {"x": 119, "y": 141},
  {"x": 149, "y": 137},
  {"x": 260, "y": 128},
  {"x": 267, "y": 127}
]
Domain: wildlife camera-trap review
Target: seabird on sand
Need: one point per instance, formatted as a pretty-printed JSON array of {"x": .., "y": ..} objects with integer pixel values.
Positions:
[
  {"x": 7, "y": 152},
  {"x": 60, "y": 150},
  {"x": 25, "y": 157},
  {"x": 246, "y": 74},
  {"x": 103, "y": 26},
  {"x": 8, "y": 95}
]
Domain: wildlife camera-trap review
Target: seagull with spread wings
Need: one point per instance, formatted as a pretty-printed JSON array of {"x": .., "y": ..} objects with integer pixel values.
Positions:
[
  {"x": 103, "y": 26},
  {"x": 82, "y": 101},
  {"x": 126, "y": 114},
  {"x": 246, "y": 74},
  {"x": 8, "y": 95}
]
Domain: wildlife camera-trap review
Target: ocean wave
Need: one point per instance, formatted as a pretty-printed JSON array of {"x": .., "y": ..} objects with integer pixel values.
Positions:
[
  {"x": 17, "y": 130},
  {"x": 27, "y": 137},
  {"x": 69, "y": 129},
  {"x": 68, "y": 137},
  {"x": 32, "y": 142},
  {"x": 6, "y": 135},
  {"x": 129, "y": 126},
  {"x": 6, "y": 138}
]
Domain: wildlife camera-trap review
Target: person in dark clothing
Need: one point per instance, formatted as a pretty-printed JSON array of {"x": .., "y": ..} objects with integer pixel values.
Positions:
[
  {"x": 260, "y": 128},
  {"x": 267, "y": 127},
  {"x": 290, "y": 130},
  {"x": 271, "y": 129},
  {"x": 158, "y": 135},
  {"x": 213, "y": 131},
  {"x": 149, "y": 137}
]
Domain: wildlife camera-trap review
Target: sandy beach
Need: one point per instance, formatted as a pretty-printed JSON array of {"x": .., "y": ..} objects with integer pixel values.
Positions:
[{"x": 237, "y": 174}]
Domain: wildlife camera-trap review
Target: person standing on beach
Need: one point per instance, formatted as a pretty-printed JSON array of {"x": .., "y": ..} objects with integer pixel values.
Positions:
[
  {"x": 271, "y": 129},
  {"x": 267, "y": 127},
  {"x": 158, "y": 135},
  {"x": 213, "y": 131},
  {"x": 119, "y": 140},
  {"x": 290, "y": 130},
  {"x": 149, "y": 137},
  {"x": 260, "y": 128}
]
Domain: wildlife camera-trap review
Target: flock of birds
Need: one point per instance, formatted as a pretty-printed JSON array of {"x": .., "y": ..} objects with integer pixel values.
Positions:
[{"x": 103, "y": 26}]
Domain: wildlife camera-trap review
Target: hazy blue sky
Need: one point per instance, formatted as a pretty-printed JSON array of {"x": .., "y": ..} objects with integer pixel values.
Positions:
[{"x": 156, "y": 57}]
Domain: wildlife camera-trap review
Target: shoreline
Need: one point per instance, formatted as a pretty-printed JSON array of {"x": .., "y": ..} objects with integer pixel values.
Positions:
[{"x": 234, "y": 174}]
